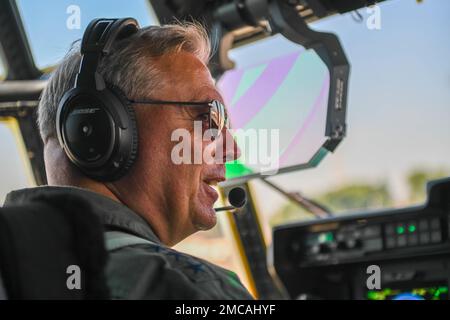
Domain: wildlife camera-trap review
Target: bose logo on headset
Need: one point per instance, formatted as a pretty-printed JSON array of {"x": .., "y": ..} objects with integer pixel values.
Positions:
[
  {"x": 84, "y": 111},
  {"x": 101, "y": 141}
]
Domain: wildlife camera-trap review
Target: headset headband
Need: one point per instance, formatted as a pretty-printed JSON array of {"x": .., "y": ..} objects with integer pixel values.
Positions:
[{"x": 97, "y": 42}]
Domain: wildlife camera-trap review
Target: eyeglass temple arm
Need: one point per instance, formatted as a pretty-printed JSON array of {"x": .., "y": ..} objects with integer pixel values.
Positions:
[{"x": 187, "y": 103}]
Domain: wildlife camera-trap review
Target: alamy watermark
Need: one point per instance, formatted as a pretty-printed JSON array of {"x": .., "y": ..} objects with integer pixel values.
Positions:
[
  {"x": 373, "y": 21},
  {"x": 256, "y": 147},
  {"x": 73, "y": 281},
  {"x": 373, "y": 281},
  {"x": 73, "y": 21}
]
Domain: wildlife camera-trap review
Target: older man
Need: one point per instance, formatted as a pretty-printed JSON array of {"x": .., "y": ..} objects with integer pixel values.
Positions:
[{"x": 159, "y": 201}]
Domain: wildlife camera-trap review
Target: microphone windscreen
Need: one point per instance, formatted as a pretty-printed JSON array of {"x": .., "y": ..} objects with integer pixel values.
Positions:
[{"x": 237, "y": 197}]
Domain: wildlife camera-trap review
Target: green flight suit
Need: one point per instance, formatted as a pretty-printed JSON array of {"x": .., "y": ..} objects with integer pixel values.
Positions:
[{"x": 147, "y": 270}]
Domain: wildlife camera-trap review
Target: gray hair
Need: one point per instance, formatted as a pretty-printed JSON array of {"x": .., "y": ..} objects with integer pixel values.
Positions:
[{"x": 127, "y": 67}]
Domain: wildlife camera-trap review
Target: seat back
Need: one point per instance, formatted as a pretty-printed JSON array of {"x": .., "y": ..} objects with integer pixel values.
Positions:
[{"x": 52, "y": 248}]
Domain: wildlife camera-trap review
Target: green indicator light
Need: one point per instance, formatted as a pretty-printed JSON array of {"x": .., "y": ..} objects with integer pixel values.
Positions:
[
  {"x": 400, "y": 230},
  {"x": 326, "y": 237},
  {"x": 412, "y": 228},
  {"x": 329, "y": 237}
]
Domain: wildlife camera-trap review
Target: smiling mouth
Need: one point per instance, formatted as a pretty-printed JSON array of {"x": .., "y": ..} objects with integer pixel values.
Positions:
[
  {"x": 209, "y": 187},
  {"x": 211, "y": 192}
]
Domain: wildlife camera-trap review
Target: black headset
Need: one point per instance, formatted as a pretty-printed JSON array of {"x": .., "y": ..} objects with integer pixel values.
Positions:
[{"x": 95, "y": 123}]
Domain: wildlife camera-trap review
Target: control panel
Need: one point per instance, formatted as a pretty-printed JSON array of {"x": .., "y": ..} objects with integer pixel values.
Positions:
[
  {"x": 411, "y": 242},
  {"x": 336, "y": 242}
]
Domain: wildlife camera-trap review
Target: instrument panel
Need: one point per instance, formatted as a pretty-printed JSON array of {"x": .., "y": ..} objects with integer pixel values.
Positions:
[{"x": 329, "y": 258}]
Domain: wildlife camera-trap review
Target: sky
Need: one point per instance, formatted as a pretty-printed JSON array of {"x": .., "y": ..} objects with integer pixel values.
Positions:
[
  {"x": 399, "y": 92},
  {"x": 399, "y": 100}
]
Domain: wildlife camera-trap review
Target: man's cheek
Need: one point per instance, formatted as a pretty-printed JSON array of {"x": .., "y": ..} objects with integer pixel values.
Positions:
[
  {"x": 186, "y": 147},
  {"x": 189, "y": 175}
]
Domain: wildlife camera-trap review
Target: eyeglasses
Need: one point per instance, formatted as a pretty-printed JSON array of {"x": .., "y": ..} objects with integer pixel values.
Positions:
[{"x": 218, "y": 118}]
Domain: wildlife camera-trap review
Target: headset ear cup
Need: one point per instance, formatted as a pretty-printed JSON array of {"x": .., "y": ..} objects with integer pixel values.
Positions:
[{"x": 134, "y": 131}]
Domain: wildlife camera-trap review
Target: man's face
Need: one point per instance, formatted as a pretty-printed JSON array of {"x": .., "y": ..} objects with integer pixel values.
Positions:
[{"x": 177, "y": 199}]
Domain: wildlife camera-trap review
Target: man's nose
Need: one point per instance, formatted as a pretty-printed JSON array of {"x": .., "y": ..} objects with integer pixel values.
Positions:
[{"x": 231, "y": 150}]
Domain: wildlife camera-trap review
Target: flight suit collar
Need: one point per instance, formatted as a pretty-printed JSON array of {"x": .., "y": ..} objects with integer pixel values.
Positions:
[{"x": 113, "y": 215}]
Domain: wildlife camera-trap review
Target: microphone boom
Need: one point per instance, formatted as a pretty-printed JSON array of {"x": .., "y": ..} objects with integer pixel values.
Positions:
[{"x": 237, "y": 197}]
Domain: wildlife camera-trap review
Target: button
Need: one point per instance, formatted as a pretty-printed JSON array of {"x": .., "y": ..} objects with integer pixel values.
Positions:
[
  {"x": 424, "y": 238},
  {"x": 390, "y": 242},
  {"x": 340, "y": 237},
  {"x": 423, "y": 225},
  {"x": 412, "y": 227},
  {"x": 436, "y": 236},
  {"x": 333, "y": 245},
  {"x": 400, "y": 229},
  {"x": 352, "y": 244},
  {"x": 314, "y": 249},
  {"x": 373, "y": 244},
  {"x": 435, "y": 224},
  {"x": 401, "y": 241},
  {"x": 356, "y": 234},
  {"x": 371, "y": 231},
  {"x": 413, "y": 240},
  {"x": 390, "y": 229}
]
